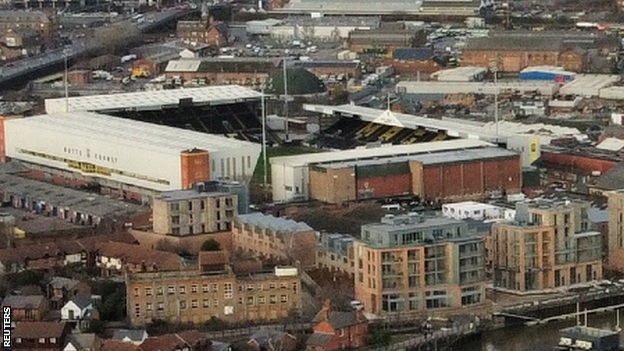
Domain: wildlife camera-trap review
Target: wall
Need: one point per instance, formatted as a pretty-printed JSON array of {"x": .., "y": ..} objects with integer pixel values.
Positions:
[
  {"x": 332, "y": 185},
  {"x": 515, "y": 61},
  {"x": 289, "y": 182},
  {"x": 413, "y": 66},
  {"x": 192, "y": 243},
  {"x": 585, "y": 163},
  {"x": 195, "y": 168}
]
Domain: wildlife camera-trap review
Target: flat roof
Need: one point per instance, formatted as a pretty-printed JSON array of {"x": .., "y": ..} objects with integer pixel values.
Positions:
[
  {"x": 595, "y": 81},
  {"x": 155, "y": 100},
  {"x": 179, "y": 195},
  {"x": 75, "y": 200},
  {"x": 371, "y": 153},
  {"x": 126, "y": 132},
  {"x": 428, "y": 222},
  {"x": 278, "y": 224}
]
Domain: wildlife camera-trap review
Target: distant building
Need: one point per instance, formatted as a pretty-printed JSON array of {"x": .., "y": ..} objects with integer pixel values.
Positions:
[
  {"x": 247, "y": 71},
  {"x": 33, "y": 20},
  {"x": 329, "y": 28},
  {"x": 44, "y": 336},
  {"x": 21, "y": 42},
  {"x": 205, "y": 31},
  {"x": 385, "y": 39},
  {"x": 189, "y": 340},
  {"x": 275, "y": 239},
  {"x": 549, "y": 245},
  {"x": 477, "y": 211},
  {"x": 413, "y": 60},
  {"x": 213, "y": 290},
  {"x": 26, "y": 307},
  {"x": 335, "y": 253},
  {"x": 272, "y": 340},
  {"x": 410, "y": 263},
  {"x": 134, "y": 336}
]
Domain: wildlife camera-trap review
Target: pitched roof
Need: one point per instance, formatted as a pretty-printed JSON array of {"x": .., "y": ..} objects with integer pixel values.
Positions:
[
  {"x": 35, "y": 330},
  {"x": 339, "y": 319},
  {"x": 131, "y": 334},
  {"x": 82, "y": 301},
  {"x": 167, "y": 342},
  {"x": 319, "y": 339},
  {"x": 135, "y": 254},
  {"x": 264, "y": 337},
  {"x": 192, "y": 337},
  {"x": 62, "y": 282},
  {"x": 513, "y": 43},
  {"x": 23, "y": 301},
  {"x": 116, "y": 345},
  {"x": 83, "y": 340},
  {"x": 612, "y": 179}
]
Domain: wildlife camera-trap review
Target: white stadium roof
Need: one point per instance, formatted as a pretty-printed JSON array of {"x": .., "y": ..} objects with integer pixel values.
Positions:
[
  {"x": 382, "y": 151},
  {"x": 153, "y": 100},
  {"x": 128, "y": 133}
]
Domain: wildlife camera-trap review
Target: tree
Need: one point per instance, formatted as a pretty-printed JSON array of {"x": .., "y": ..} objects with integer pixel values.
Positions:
[{"x": 211, "y": 245}]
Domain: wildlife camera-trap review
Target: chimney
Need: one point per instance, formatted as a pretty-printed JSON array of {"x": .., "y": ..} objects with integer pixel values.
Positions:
[{"x": 326, "y": 309}]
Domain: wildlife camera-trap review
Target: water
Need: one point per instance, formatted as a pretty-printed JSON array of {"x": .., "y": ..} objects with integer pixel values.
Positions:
[{"x": 535, "y": 338}]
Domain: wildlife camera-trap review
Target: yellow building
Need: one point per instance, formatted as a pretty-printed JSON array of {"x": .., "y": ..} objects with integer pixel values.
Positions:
[
  {"x": 549, "y": 245},
  {"x": 414, "y": 264}
]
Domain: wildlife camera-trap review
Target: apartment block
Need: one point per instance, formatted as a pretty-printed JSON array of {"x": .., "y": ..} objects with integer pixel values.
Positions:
[
  {"x": 549, "y": 244},
  {"x": 214, "y": 289},
  {"x": 275, "y": 238},
  {"x": 188, "y": 212},
  {"x": 615, "y": 242},
  {"x": 335, "y": 253},
  {"x": 411, "y": 263}
]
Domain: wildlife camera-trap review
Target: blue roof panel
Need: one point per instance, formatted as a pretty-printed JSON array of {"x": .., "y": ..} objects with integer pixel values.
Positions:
[{"x": 417, "y": 54}]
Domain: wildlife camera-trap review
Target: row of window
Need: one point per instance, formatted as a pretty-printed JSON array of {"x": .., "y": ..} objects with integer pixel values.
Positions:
[
  {"x": 228, "y": 289},
  {"x": 40, "y": 340},
  {"x": 206, "y": 303}
]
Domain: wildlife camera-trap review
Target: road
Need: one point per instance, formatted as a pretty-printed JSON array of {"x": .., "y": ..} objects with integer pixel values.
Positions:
[{"x": 82, "y": 45}]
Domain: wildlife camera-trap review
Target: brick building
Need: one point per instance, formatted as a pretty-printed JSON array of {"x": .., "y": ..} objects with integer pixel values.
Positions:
[
  {"x": 275, "y": 239},
  {"x": 26, "y": 307},
  {"x": 205, "y": 31},
  {"x": 350, "y": 69},
  {"x": 34, "y": 20},
  {"x": 338, "y": 330},
  {"x": 248, "y": 71},
  {"x": 548, "y": 245},
  {"x": 513, "y": 52},
  {"x": 20, "y": 42},
  {"x": 413, "y": 60},
  {"x": 411, "y": 264},
  {"x": 214, "y": 289},
  {"x": 43, "y": 336},
  {"x": 615, "y": 245}
]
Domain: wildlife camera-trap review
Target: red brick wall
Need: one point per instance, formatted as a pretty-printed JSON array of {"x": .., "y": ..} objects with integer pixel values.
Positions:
[
  {"x": 587, "y": 164},
  {"x": 386, "y": 186},
  {"x": 411, "y": 67}
]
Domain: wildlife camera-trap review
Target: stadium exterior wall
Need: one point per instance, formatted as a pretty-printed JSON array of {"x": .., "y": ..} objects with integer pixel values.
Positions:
[{"x": 384, "y": 186}]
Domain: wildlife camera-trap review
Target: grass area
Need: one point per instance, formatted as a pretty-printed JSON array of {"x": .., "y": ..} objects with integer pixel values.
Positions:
[{"x": 277, "y": 151}]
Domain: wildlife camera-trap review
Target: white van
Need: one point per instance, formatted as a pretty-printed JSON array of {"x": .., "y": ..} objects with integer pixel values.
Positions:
[{"x": 391, "y": 207}]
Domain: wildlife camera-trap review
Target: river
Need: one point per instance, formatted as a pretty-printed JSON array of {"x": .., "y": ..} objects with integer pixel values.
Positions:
[{"x": 534, "y": 338}]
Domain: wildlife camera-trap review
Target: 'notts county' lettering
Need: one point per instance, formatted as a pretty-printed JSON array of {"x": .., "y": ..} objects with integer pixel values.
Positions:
[{"x": 6, "y": 327}]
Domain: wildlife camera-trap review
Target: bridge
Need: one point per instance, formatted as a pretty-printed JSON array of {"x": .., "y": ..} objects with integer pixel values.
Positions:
[
  {"x": 18, "y": 72},
  {"x": 562, "y": 307}
]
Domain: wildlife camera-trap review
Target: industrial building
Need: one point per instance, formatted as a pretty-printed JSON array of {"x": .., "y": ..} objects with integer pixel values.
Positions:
[
  {"x": 312, "y": 28},
  {"x": 448, "y": 87},
  {"x": 550, "y": 73},
  {"x": 410, "y": 264},
  {"x": 349, "y": 175},
  {"x": 589, "y": 85},
  {"x": 124, "y": 157},
  {"x": 370, "y": 7},
  {"x": 460, "y": 74}
]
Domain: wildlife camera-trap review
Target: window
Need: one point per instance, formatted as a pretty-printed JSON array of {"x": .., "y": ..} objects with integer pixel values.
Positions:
[
  {"x": 228, "y": 291},
  {"x": 175, "y": 219},
  {"x": 206, "y": 303},
  {"x": 182, "y": 289},
  {"x": 149, "y": 306},
  {"x": 284, "y": 298},
  {"x": 148, "y": 291},
  {"x": 261, "y": 300},
  {"x": 250, "y": 300},
  {"x": 52, "y": 340},
  {"x": 205, "y": 288},
  {"x": 161, "y": 306},
  {"x": 159, "y": 290},
  {"x": 175, "y": 207},
  {"x": 171, "y": 290},
  {"x": 283, "y": 286},
  {"x": 215, "y": 302},
  {"x": 182, "y": 305},
  {"x": 341, "y": 332},
  {"x": 202, "y": 204},
  {"x": 194, "y": 289},
  {"x": 194, "y": 304},
  {"x": 215, "y": 287},
  {"x": 240, "y": 301},
  {"x": 272, "y": 286},
  {"x": 42, "y": 340},
  {"x": 18, "y": 340},
  {"x": 136, "y": 292},
  {"x": 137, "y": 310},
  {"x": 273, "y": 299}
]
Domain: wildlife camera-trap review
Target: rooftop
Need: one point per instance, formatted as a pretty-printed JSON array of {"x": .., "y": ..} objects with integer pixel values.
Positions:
[
  {"x": 76, "y": 200},
  {"x": 23, "y": 301},
  {"x": 128, "y": 133},
  {"x": 35, "y": 224},
  {"x": 378, "y": 152},
  {"x": 411, "y": 222},
  {"x": 584, "y": 81},
  {"x": 179, "y": 195},
  {"x": 277, "y": 224},
  {"x": 371, "y": 7},
  {"x": 277, "y": 272},
  {"x": 154, "y": 100}
]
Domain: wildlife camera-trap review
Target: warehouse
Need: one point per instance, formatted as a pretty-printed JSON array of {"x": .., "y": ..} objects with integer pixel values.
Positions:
[
  {"x": 291, "y": 174},
  {"x": 322, "y": 28},
  {"x": 440, "y": 87},
  {"x": 460, "y": 74},
  {"x": 154, "y": 100},
  {"x": 588, "y": 85},
  {"x": 450, "y": 175},
  {"x": 551, "y": 73},
  {"x": 123, "y": 155}
]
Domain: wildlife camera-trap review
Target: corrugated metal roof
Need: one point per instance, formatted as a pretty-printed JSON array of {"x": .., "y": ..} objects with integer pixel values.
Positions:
[
  {"x": 278, "y": 224},
  {"x": 183, "y": 66},
  {"x": 126, "y": 132},
  {"x": 152, "y": 100},
  {"x": 363, "y": 154},
  {"x": 420, "y": 54}
]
